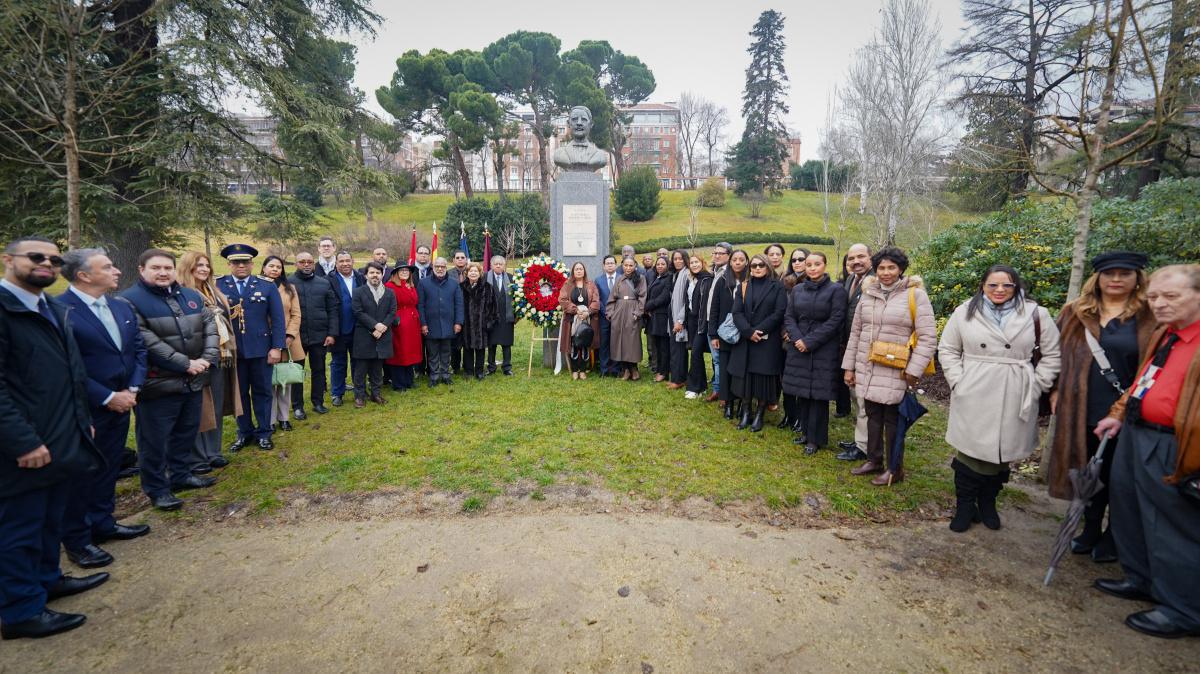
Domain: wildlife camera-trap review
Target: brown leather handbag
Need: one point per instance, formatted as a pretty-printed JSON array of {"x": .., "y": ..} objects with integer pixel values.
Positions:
[{"x": 891, "y": 354}]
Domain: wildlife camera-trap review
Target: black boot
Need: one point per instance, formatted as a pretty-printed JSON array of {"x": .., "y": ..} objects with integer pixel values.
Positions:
[
  {"x": 784, "y": 422},
  {"x": 728, "y": 409},
  {"x": 966, "y": 489},
  {"x": 987, "y": 499},
  {"x": 757, "y": 424},
  {"x": 737, "y": 408},
  {"x": 747, "y": 413},
  {"x": 1105, "y": 551},
  {"x": 1093, "y": 520}
]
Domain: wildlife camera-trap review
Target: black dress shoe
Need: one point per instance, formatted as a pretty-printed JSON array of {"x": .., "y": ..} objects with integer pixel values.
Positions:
[
  {"x": 447, "y": 381},
  {"x": 202, "y": 469},
  {"x": 122, "y": 532},
  {"x": 1121, "y": 587},
  {"x": 167, "y": 502},
  {"x": 320, "y": 409},
  {"x": 299, "y": 414},
  {"x": 218, "y": 461},
  {"x": 285, "y": 425},
  {"x": 237, "y": 445},
  {"x": 508, "y": 373},
  {"x": 266, "y": 444},
  {"x": 45, "y": 624},
  {"x": 840, "y": 415},
  {"x": 193, "y": 482},
  {"x": 127, "y": 472},
  {"x": 432, "y": 383},
  {"x": 89, "y": 557},
  {"x": 69, "y": 585},
  {"x": 855, "y": 454},
  {"x": 1157, "y": 624},
  {"x": 337, "y": 401},
  {"x": 847, "y": 445}
]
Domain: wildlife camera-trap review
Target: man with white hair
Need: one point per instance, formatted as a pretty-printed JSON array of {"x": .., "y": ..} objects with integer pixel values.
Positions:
[{"x": 501, "y": 334}]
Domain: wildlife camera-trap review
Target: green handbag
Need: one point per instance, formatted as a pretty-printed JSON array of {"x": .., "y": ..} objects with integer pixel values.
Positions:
[{"x": 286, "y": 374}]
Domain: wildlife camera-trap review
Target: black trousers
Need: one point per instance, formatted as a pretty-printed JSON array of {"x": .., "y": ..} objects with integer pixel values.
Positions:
[
  {"x": 651, "y": 356},
  {"x": 679, "y": 363},
  {"x": 166, "y": 430},
  {"x": 842, "y": 401},
  {"x": 697, "y": 379},
  {"x": 725, "y": 377},
  {"x": 456, "y": 352},
  {"x": 402, "y": 376},
  {"x": 660, "y": 346},
  {"x": 814, "y": 417},
  {"x": 315, "y": 357},
  {"x": 506, "y": 353},
  {"x": 367, "y": 371},
  {"x": 881, "y": 429},
  {"x": 472, "y": 361}
]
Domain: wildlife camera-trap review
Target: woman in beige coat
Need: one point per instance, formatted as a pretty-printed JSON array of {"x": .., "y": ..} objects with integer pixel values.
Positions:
[
  {"x": 987, "y": 352},
  {"x": 886, "y": 314},
  {"x": 281, "y": 402}
]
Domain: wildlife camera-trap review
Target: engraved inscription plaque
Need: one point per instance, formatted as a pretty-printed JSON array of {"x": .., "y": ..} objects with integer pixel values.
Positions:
[{"x": 579, "y": 230}]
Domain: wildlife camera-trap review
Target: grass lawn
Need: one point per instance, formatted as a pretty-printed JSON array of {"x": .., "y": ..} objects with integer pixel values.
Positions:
[{"x": 477, "y": 438}]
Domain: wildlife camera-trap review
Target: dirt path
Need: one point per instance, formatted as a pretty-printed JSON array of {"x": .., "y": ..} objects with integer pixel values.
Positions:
[{"x": 540, "y": 592}]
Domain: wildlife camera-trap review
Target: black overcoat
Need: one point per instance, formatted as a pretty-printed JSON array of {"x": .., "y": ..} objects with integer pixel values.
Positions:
[
  {"x": 658, "y": 306},
  {"x": 723, "y": 290},
  {"x": 479, "y": 312},
  {"x": 761, "y": 309},
  {"x": 815, "y": 312},
  {"x": 367, "y": 313}
]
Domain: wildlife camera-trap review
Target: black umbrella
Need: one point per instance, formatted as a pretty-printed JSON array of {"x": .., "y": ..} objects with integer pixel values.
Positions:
[
  {"x": 911, "y": 409},
  {"x": 1086, "y": 482}
]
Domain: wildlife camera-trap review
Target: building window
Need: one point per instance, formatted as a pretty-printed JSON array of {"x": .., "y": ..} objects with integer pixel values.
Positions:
[{"x": 666, "y": 143}]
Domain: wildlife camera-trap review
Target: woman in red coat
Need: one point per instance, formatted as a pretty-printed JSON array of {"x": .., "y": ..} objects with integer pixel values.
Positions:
[{"x": 406, "y": 337}]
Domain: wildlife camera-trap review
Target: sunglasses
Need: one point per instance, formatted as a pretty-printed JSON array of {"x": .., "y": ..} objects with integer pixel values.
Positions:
[
  {"x": 38, "y": 258},
  {"x": 757, "y": 265}
]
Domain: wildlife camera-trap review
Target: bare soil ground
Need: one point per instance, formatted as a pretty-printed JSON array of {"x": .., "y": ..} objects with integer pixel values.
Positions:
[{"x": 586, "y": 581}]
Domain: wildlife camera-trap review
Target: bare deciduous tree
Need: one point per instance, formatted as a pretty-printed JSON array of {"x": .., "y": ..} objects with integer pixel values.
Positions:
[{"x": 714, "y": 120}]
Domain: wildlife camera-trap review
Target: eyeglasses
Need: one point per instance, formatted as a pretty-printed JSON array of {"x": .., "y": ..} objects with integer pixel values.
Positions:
[
  {"x": 439, "y": 266},
  {"x": 38, "y": 258},
  {"x": 757, "y": 265},
  {"x": 997, "y": 286}
]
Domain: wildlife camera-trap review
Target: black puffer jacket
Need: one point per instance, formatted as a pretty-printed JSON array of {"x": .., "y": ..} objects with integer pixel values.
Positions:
[
  {"x": 177, "y": 329},
  {"x": 320, "y": 308},
  {"x": 43, "y": 399},
  {"x": 815, "y": 312},
  {"x": 658, "y": 306}
]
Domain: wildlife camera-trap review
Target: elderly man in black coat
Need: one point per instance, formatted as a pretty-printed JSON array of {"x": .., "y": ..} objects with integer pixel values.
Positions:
[
  {"x": 45, "y": 442},
  {"x": 374, "y": 307},
  {"x": 501, "y": 334}
]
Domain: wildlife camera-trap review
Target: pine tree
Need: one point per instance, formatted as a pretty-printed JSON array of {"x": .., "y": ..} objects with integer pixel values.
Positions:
[{"x": 756, "y": 162}]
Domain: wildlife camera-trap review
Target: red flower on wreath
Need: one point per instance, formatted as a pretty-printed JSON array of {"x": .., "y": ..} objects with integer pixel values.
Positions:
[{"x": 542, "y": 285}]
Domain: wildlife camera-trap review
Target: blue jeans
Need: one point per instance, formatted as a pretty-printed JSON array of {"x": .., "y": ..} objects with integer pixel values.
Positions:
[{"x": 716, "y": 361}]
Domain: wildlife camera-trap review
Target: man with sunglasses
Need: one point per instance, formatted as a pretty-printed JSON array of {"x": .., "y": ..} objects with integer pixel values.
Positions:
[{"x": 45, "y": 442}]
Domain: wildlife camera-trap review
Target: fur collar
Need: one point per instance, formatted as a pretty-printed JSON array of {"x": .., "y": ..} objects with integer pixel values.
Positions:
[{"x": 913, "y": 281}]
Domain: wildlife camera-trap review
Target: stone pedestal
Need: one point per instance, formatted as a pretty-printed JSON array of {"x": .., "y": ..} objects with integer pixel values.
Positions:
[{"x": 579, "y": 220}]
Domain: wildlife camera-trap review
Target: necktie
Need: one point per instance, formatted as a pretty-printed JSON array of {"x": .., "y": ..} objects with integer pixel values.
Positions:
[
  {"x": 1133, "y": 408},
  {"x": 110, "y": 323},
  {"x": 44, "y": 310},
  {"x": 241, "y": 288},
  {"x": 610, "y": 284}
]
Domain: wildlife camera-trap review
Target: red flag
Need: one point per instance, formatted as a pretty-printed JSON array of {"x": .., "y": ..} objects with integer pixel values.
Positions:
[
  {"x": 487, "y": 246},
  {"x": 412, "y": 247}
]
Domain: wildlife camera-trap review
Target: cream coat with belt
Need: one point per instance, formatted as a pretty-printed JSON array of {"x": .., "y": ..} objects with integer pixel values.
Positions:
[{"x": 994, "y": 386}]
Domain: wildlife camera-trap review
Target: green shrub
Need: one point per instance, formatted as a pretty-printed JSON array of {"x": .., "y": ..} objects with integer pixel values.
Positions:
[
  {"x": 711, "y": 193},
  {"x": 1036, "y": 238},
  {"x": 307, "y": 194},
  {"x": 673, "y": 242},
  {"x": 637, "y": 194},
  {"x": 522, "y": 214}
]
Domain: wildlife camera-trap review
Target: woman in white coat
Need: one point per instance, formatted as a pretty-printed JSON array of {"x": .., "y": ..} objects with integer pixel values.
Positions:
[{"x": 987, "y": 351}]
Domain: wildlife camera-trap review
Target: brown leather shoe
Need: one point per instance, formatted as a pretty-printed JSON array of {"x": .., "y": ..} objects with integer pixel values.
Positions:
[
  {"x": 635, "y": 375},
  {"x": 673, "y": 386},
  {"x": 378, "y": 399},
  {"x": 712, "y": 397},
  {"x": 887, "y": 478},
  {"x": 867, "y": 468},
  {"x": 360, "y": 403}
]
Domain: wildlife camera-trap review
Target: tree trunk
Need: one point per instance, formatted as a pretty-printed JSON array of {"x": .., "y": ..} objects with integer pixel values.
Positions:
[
  {"x": 362, "y": 192},
  {"x": 71, "y": 150},
  {"x": 498, "y": 161},
  {"x": 1095, "y": 163},
  {"x": 460, "y": 165},
  {"x": 543, "y": 158},
  {"x": 1151, "y": 171}
]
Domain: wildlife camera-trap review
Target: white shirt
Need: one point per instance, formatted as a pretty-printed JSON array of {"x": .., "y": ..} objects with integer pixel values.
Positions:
[{"x": 349, "y": 281}]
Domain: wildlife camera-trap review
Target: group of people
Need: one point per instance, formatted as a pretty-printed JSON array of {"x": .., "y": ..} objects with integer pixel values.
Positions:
[{"x": 182, "y": 349}]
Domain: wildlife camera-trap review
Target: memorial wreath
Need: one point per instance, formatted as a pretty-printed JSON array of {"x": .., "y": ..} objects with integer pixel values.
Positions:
[{"x": 536, "y": 285}]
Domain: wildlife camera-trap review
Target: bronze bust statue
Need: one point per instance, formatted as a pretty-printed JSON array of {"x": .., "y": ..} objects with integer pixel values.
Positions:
[{"x": 580, "y": 154}]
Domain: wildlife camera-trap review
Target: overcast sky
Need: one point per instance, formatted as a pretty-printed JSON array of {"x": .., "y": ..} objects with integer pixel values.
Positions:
[{"x": 697, "y": 46}]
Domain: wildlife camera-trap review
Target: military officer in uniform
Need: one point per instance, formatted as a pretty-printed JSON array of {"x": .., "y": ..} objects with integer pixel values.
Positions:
[{"x": 256, "y": 311}]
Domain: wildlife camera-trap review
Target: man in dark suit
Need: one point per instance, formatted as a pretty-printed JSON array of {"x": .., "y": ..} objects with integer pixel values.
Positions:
[
  {"x": 45, "y": 442},
  {"x": 857, "y": 268},
  {"x": 106, "y": 331},
  {"x": 258, "y": 323},
  {"x": 604, "y": 285},
  {"x": 345, "y": 280},
  {"x": 501, "y": 334}
]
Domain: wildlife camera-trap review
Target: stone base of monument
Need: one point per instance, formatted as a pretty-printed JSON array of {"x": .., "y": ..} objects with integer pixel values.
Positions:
[{"x": 579, "y": 220}]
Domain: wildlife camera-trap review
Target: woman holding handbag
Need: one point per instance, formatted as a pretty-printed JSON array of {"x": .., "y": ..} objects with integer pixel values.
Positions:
[
  {"x": 721, "y": 324},
  {"x": 892, "y": 341},
  {"x": 1000, "y": 353},
  {"x": 281, "y": 398},
  {"x": 579, "y": 297},
  {"x": 1110, "y": 321}
]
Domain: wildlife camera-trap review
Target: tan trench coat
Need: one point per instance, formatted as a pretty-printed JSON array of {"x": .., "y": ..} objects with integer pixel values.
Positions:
[{"x": 994, "y": 386}]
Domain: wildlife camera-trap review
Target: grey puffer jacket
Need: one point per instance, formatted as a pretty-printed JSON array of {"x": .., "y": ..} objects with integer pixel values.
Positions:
[
  {"x": 177, "y": 328},
  {"x": 884, "y": 316}
]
